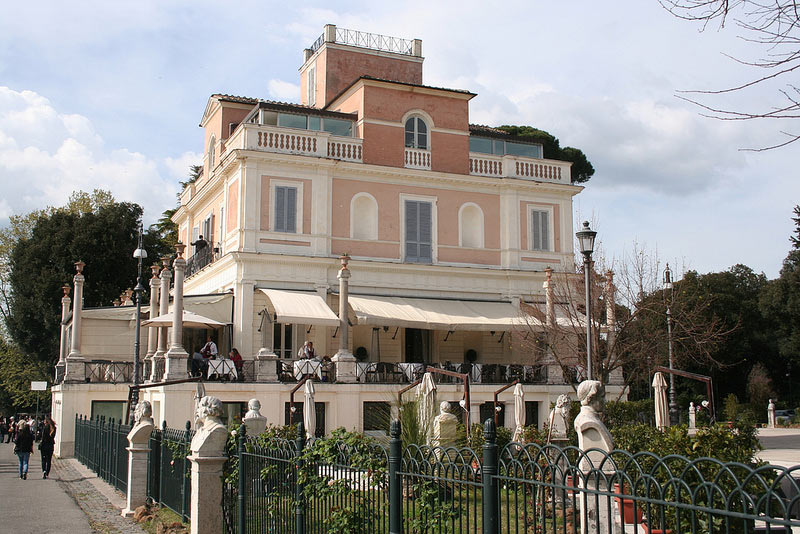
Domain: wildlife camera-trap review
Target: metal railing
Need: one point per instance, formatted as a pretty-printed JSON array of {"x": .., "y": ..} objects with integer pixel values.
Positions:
[
  {"x": 372, "y": 41},
  {"x": 201, "y": 258},
  {"x": 284, "y": 486},
  {"x": 109, "y": 372},
  {"x": 168, "y": 468},
  {"x": 102, "y": 446}
]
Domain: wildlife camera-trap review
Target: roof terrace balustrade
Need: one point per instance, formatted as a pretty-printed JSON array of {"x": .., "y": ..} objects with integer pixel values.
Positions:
[
  {"x": 508, "y": 166},
  {"x": 418, "y": 158},
  {"x": 277, "y": 139}
]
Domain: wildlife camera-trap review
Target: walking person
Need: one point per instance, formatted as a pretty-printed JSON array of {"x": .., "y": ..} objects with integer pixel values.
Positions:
[
  {"x": 3, "y": 429},
  {"x": 23, "y": 448},
  {"x": 47, "y": 445}
]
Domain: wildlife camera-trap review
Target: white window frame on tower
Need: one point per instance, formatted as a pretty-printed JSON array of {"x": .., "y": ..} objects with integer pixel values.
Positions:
[
  {"x": 298, "y": 227},
  {"x": 417, "y": 118},
  {"x": 311, "y": 86},
  {"x": 539, "y": 211}
]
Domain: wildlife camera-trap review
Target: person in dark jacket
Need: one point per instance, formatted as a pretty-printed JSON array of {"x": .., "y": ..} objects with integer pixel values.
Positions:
[
  {"x": 47, "y": 444},
  {"x": 23, "y": 448}
]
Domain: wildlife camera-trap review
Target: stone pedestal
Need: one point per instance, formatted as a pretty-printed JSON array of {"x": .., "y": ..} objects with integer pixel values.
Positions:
[
  {"x": 346, "y": 368},
  {"x": 75, "y": 369},
  {"x": 345, "y": 361},
  {"x": 266, "y": 366},
  {"x": 598, "y": 517},
  {"x": 139, "y": 440},
  {"x": 208, "y": 457}
]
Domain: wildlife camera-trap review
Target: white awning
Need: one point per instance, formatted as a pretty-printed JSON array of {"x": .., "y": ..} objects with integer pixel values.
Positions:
[
  {"x": 435, "y": 314},
  {"x": 217, "y": 306},
  {"x": 295, "y": 307}
]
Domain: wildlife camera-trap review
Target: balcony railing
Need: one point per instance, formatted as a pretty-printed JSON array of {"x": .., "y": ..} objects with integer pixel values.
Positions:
[
  {"x": 417, "y": 158},
  {"x": 201, "y": 258},
  {"x": 291, "y": 141},
  {"x": 110, "y": 372},
  {"x": 543, "y": 170}
]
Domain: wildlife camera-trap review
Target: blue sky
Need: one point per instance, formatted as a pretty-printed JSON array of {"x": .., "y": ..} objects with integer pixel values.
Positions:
[{"x": 109, "y": 94}]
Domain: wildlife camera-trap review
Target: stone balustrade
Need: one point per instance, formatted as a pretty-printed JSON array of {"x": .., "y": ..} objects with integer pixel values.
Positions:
[
  {"x": 544, "y": 170},
  {"x": 292, "y": 141}
]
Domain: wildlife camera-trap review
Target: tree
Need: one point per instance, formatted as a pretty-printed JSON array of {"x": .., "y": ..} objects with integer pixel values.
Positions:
[
  {"x": 629, "y": 322},
  {"x": 582, "y": 169},
  {"x": 772, "y": 26},
  {"x": 17, "y": 370},
  {"x": 104, "y": 234}
]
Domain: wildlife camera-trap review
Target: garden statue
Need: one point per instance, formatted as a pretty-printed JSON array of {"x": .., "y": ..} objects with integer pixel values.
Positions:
[
  {"x": 143, "y": 423},
  {"x": 138, "y": 450},
  {"x": 592, "y": 433},
  {"x": 211, "y": 434},
  {"x": 692, "y": 416},
  {"x": 445, "y": 427},
  {"x": 771, "y": 414},
  {"x": 256, "y": 423},
  {"x": 559, "y": 417}
]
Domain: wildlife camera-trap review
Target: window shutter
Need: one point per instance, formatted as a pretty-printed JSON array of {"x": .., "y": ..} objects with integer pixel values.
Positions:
[
  {"x": 545, "y": 230},
  {"x": 425, "y": 232},
  {"x": 280, "y": 209},
  {"x": 291, "y": 210},
  {"x": 536, "y": 231},
  {"x": 412, "y": 231}
]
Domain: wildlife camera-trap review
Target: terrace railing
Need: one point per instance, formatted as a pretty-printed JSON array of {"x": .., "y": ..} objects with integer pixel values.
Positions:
[
  {"x": 169, "y": 468},
  {"x": 201, "y": 258},
  {"x": 102, "y": 446}
]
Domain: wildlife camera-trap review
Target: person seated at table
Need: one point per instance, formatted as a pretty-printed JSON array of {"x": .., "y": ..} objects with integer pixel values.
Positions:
[
  {"x": 307, "y": 352},
  {"x": 237, "y": 360},
  {"x": 209, "y": 350},
  {"x": 199, "y": 363}
]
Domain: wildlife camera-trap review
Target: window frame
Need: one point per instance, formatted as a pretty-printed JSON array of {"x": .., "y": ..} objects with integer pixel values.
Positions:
[
  {"x": 311, "y": 85},
  {"x": 273, "y": 185},
  {"x": 417, "y": 118},
  {"x": 211, "y": 152},
  {"x": 434, "y": 226},
  {"x": 550, "y": 228}
]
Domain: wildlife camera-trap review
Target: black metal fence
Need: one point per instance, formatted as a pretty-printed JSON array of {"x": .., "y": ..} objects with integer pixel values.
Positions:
[
  {"x": 168, "y": 468},
  {"x": 283, "y": 486},
  {"x": 102, "y": 446}
]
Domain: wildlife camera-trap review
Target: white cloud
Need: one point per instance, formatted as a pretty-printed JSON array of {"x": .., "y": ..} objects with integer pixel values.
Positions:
[
  {"x": 282, "y": 90},
  {"x": 179, "y": 167},
  {"x": 46, "y": 155}
]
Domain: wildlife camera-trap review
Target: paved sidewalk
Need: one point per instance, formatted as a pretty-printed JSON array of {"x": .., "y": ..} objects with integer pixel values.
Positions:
[
  {"x": 74, "y": 500},
  {"x": 781, "y": 446}
]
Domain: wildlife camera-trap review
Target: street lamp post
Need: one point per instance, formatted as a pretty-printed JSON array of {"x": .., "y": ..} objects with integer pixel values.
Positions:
[
  {"x": 668, "y": 294},
  {"x": 140, "y": 254},
  {"x": 586, "y": 240}
]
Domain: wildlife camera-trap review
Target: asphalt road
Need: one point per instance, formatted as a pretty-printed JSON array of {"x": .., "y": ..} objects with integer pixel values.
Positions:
[
  {"x": 35, "y": 505},
  {"x": 781, "y": 446}
]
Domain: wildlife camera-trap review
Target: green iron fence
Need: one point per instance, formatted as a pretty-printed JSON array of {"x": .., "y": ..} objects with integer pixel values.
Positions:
[
  {"x": 168, "y": 468},
  {"x": 283, "y": 486},
  {"x": 102, "y": 446}
]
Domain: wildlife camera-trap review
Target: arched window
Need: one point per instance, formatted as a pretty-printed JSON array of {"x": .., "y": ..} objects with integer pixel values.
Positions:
[
  {"x": 416, "y": 133},
  {"x": 364, "y": 217},
  {"x": 470, "y": 226},
  {"x": 211, "y": 144}
]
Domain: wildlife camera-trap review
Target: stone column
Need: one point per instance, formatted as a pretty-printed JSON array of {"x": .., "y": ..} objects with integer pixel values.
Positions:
[
  {"x": 161, "y": 349},
  {"x": 139, "y": 447},
  {"x": 208, "y": 456},
  {"x": 64, "y": 346},
  {"x": 344, "y": 359},
  {"x": 176, "y": 356},
  {"x": 75, "y": 369},
  {"x": 152, "y": 333}
]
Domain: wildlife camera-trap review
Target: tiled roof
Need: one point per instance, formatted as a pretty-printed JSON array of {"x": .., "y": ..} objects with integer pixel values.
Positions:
[
  {"x": 234, "y": 98},
  {"x": 276, "y": 104},
  {"x": 462, "y": 91}
]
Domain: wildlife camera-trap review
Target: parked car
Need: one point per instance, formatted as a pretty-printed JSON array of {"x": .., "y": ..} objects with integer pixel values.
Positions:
[{"x": 784, "y": 416}]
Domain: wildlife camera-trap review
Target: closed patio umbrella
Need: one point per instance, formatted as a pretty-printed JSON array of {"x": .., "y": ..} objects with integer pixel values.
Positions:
[
  {"x": 309, "y": 412},
  {"x": 660, "y": 397},
  {"x": 426, "y": 403},
  {"x": 519, "y": 412}
]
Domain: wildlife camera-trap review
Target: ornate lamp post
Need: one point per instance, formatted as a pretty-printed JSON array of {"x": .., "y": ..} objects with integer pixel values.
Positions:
[
  {"x": 668, "y": 294},
  {"x": 586, "y": 241},
  {"x": 140, "y": 254}
]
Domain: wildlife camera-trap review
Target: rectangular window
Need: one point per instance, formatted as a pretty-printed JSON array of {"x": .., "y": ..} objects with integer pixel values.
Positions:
[
  {"x": 480, "y": 144},
  {"x": 290, "y": 120},
  {"x": 522, "y": 149},
  {"x": 283, "y": 340},
  {"x": 109, "y": 409},
  {"x": 376, "y": 416},
  {"x": 540, "y": 230},
  {"x": 532, "y": 413},
  {"x": 487, "y": 412},
  {"x": 285, "y": 209},
  {"x": 294, "y": 418},
  {"x": 314, "y": 123},
  {"x": 419, "y": 231},
  {"x": 312, "y": 86},
  {"x": 339, "y": 127}
]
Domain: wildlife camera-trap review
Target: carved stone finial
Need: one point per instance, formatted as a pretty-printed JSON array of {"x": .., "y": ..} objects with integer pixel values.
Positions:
[
  {"x": 345, "y": 259},
  {"x": 165, "y": 261},
  {"x": 79, "y": 265},
  {"x": 155, "y": 268},
  {"x": 66, "y": 289},
  {"x": 179, "y": 248}
]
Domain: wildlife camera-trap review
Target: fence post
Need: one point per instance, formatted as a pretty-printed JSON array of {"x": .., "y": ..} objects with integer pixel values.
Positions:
[
  {"x": 138, "y": 440},
  {"x": 299, "y": 508},
  {"x": 395, "y": 483},
  {"x": 187, "y": 488},
  {"x": 161, "y": 457},
  {"x": 488, "y": 473},
  {"x": 242, "y": 513}
]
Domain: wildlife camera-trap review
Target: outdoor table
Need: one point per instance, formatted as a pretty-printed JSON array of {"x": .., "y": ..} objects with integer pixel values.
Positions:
[
  {"x": 307, "y": 367},
  {"x": 222, "y": 368},
  {"x": 411, "y": 370},
  {"x": 475, "y": 373}
]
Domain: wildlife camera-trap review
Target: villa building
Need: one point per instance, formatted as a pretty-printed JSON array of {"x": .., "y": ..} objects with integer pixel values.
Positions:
[{"x": 446, "y": 228}]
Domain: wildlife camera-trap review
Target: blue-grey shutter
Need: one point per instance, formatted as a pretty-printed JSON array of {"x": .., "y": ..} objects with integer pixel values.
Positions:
[
  {"x": 291, "y": 210},
  {"x": 425, "y": 232},
  {"x": 280, "y": 209},
  {"x": 412, "y": 231},
  {"x": 536, "y": 231},
  {"x": 545, "y": 230}
]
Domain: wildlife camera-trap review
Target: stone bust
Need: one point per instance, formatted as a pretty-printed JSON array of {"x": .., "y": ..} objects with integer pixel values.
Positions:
[
  {"x": 143, "y": 423},
  {"x": 445, "y": 427},
  {"x": 256, "y": 423},
  {"x": 592, "y": 433},
  {"x": 211, "y": 435}
]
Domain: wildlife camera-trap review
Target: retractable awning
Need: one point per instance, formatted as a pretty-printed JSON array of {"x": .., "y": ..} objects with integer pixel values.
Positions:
[
  {"x": 297, "y": 307},
  {"x": 434, "y": 314}
]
